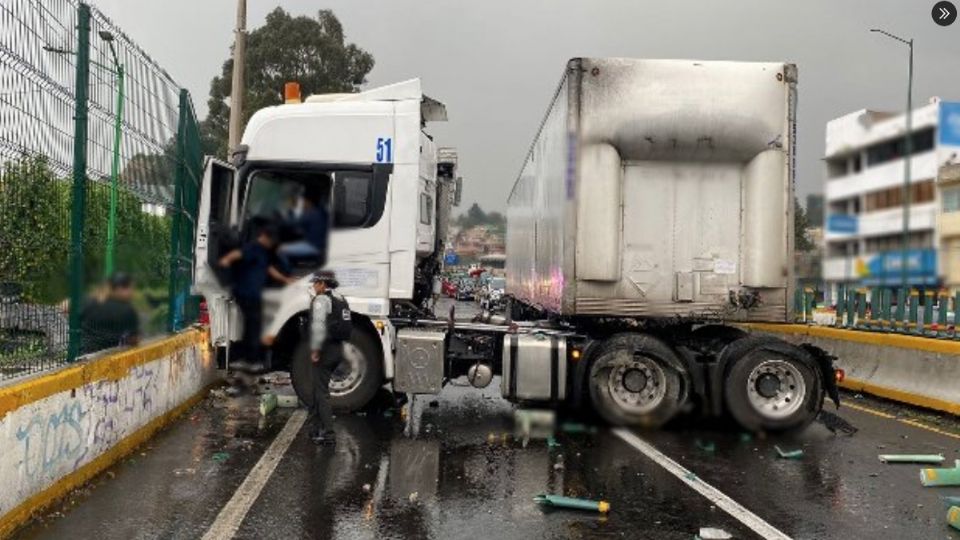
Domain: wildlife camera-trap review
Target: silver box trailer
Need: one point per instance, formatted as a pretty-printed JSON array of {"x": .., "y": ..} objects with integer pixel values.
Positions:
[{"x": 659, "y": 188}]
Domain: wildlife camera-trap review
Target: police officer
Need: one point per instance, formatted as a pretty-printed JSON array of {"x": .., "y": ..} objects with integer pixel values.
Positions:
[{"x": 330, "y": 326}]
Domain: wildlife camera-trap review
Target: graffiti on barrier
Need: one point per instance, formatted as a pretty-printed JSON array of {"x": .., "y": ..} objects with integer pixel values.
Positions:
[{"x": 50, "y": 440}]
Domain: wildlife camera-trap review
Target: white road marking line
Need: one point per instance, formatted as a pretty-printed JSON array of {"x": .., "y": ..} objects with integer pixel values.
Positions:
[
  {"x": 229, "y": 519},
  {"x": 730, "y": 506}
]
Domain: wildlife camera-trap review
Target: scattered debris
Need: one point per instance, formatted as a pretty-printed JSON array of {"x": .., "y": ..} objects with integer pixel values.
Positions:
[
  {"x": 790, "y": 454},
  {"x": 220, "y": 457},
  {"x": 413, "y": 497},
  {"x": 388, "y": 413},
  {"x": 577, "y": 427},
  {"x": 433, "y": 404},
  {"x": 552, "y": 443},
  {"x": 709, "y": 446},
  {"x": 953, "y": 517},
  {"x": 711, "y": 533},
  {"x": 559, "y": 501},
  {"x": 940, "y": 477},
  {"x": 366, "y": 488},
  {"x": 268, "y": 402},
  {"x": 287, "y": 401},
  {"x": 218, "y": 393},
  {"x": 911, "y": 458},
  {"x": 951, "y": 501},
  {"x": 834, "y": 423},
  {"x": 184, "y": 472},
  {"x": 746, "y": 437},
  {"x": 232, "y": 391}
]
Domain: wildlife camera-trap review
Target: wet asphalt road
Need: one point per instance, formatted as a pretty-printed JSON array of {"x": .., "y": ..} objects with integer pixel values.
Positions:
[{"x": 456, "y": 470}]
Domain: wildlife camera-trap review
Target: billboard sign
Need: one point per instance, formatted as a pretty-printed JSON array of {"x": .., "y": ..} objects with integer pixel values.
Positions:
[
  {"x": 842, "y": 223},
  {"x": 949, "y": 123},
  {"x": 885, "y": 268}
]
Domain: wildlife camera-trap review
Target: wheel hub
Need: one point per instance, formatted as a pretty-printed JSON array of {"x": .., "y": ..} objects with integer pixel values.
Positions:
[
  {"x": 776, "y": 389},
  {"x": 637, "y": 383},
  {"x": 768, "y": 385},
  {"x": 350, "y": 371}
]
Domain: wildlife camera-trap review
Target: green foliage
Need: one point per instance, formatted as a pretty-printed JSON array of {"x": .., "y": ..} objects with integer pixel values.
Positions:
[
  {"x": 310, "y": 51},
  {"x": 35, "y": 207},
  {"x": 476, "y": 216},
  {"x": 800, "y": 226},
  {"x": 34, "y": 228}
]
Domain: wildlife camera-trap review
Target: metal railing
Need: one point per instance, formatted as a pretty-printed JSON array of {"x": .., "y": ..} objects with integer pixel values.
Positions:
[
  {"x": 928, "y": 312},
  {"x": 100, "y": 166}
]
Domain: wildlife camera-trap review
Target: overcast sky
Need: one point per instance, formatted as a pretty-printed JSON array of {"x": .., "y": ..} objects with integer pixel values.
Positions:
[{"x": 496, "y": 63}]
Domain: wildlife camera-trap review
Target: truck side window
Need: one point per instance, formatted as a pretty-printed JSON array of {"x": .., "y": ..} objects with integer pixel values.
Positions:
[
  {"x": 351, "y": 199},
  {"x": 426, "y": 209}
]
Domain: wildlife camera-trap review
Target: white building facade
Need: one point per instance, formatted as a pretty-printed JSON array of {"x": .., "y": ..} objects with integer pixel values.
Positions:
[{"x": 865, "y": 153}]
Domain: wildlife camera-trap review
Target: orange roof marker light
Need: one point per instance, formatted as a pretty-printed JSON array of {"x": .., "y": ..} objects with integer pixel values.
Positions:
[{"x": 291, "y": 93}]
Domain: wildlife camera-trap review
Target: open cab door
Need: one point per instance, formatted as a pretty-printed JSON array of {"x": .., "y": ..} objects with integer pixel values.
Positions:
[{"x": 216, "y": 235}]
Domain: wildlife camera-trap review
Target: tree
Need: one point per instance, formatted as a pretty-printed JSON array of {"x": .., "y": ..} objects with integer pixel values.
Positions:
[
  {"x": 310, "y": 51},
  {"x": 800, "y": 226}
]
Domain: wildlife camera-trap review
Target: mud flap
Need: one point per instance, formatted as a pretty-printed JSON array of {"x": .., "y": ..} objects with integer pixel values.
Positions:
[{"x": 825, "y": 362}]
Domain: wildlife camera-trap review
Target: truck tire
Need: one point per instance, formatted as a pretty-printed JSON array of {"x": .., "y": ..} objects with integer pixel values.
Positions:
[
  {"x": 636, "y": 380},
  {"x": 770, "y": 385},
  {"x": 354, "y": 382}
]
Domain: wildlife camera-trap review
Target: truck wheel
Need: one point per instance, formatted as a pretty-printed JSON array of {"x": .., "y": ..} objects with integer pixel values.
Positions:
[
  {"x": 771, "y": 385},
  {"x": 635, "y": 380},
  {"x": 354, "y": 382}
]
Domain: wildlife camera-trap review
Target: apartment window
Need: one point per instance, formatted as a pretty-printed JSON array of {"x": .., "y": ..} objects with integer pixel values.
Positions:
[
  {"x": 883, "y": 152},
  {"x": 920, "y": 192},
  {"x": 951, "y": 199}
]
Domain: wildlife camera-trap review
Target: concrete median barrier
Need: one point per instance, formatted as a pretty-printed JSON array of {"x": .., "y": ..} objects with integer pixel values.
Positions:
[
  {"x": 59, "y": 429},
  {"x": 910, "y": 369}
]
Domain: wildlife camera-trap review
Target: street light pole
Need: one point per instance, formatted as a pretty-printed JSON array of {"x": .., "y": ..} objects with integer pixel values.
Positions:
[
  {"x": 115, "y": 169},
  {"x": 237, "y": 89},
  {"x": 120, "y": 73},
  {"x": 907, "y": 150}
]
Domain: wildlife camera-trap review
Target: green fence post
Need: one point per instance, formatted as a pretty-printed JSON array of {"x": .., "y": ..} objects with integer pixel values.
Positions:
[
  {"x": 886, "y": 296},
  {"x": 841, "y": 305},
  {"x": 901, "y": 310},
  {"x": 176, "y": 303},
  {"x": 861, "y": 308},
  {"x": 78, "y": 204},
  {"x": 810, "y": 296},
  {"x": 798, "y": 304},
  {"x": 943, "y": 305},
  {"x": 914, "y": 310},
  {"x": 851, "y": 307},
  {"x": 927, "y": 311}
]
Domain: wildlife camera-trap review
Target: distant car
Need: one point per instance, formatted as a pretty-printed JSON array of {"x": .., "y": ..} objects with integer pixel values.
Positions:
[
  {"x": 465, "y": 290},
  {"x": 449, "y": 288}
]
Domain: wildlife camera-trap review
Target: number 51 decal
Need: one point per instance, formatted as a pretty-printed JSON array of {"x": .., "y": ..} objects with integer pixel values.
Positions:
[{"x": 384, "y": 150}]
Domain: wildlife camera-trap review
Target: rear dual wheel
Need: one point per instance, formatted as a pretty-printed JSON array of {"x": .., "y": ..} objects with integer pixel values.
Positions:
[
  {"x": 771, "y": 385},
  {"x": 635, "y": 380}
]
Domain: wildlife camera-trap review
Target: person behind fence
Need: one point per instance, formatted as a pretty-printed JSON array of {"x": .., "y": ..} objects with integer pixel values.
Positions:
[
  {"x": 330, "y": 326},
  {"x": 110, "y": 320},
  {"x": 252, "y": 267}
]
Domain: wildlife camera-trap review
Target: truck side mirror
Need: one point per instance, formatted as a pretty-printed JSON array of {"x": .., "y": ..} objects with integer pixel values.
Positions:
[{"x": 458, "y": 191}]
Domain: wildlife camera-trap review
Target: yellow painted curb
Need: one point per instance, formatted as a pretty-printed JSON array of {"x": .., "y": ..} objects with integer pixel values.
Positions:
[
  {"x": 110, "y": 367},
  {"x": 901, "y": 396},
  {"x": 30, "y": 507},
  {"x": 916, "y": 343}
]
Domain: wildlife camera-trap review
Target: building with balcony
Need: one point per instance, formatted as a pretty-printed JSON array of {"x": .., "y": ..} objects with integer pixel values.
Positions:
[{"x": 863, "y": 238}]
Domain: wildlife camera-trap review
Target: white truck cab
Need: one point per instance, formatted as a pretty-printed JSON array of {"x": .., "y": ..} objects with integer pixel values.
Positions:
[{"x": 371, "y": 154}]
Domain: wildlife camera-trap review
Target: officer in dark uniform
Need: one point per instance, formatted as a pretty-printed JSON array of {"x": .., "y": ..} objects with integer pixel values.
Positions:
[{"x": 330, "y": 326}]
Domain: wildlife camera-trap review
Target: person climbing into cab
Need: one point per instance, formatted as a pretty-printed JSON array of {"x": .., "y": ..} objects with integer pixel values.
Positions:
[{"x": 252, "y": 267}]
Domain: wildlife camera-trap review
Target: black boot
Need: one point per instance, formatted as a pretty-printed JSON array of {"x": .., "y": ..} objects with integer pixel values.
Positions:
[{"x": 324, "y": 438}]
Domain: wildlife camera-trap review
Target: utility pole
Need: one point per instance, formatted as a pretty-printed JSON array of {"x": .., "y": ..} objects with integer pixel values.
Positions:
[
  {"x": 238, "y": 88},
  {"x": 907, "y": 150}
]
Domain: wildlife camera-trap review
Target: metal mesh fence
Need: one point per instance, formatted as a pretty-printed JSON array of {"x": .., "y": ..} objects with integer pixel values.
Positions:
[{"x": 99, "y": 168}]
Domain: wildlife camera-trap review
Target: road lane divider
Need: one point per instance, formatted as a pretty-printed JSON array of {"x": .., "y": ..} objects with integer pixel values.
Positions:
[
  {"x": 232, "y": 514},
  {"x": 714, "y": 495}
]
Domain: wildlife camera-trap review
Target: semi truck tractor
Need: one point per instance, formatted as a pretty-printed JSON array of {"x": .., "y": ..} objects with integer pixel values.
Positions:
[{"x": 653, "y": 212}]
